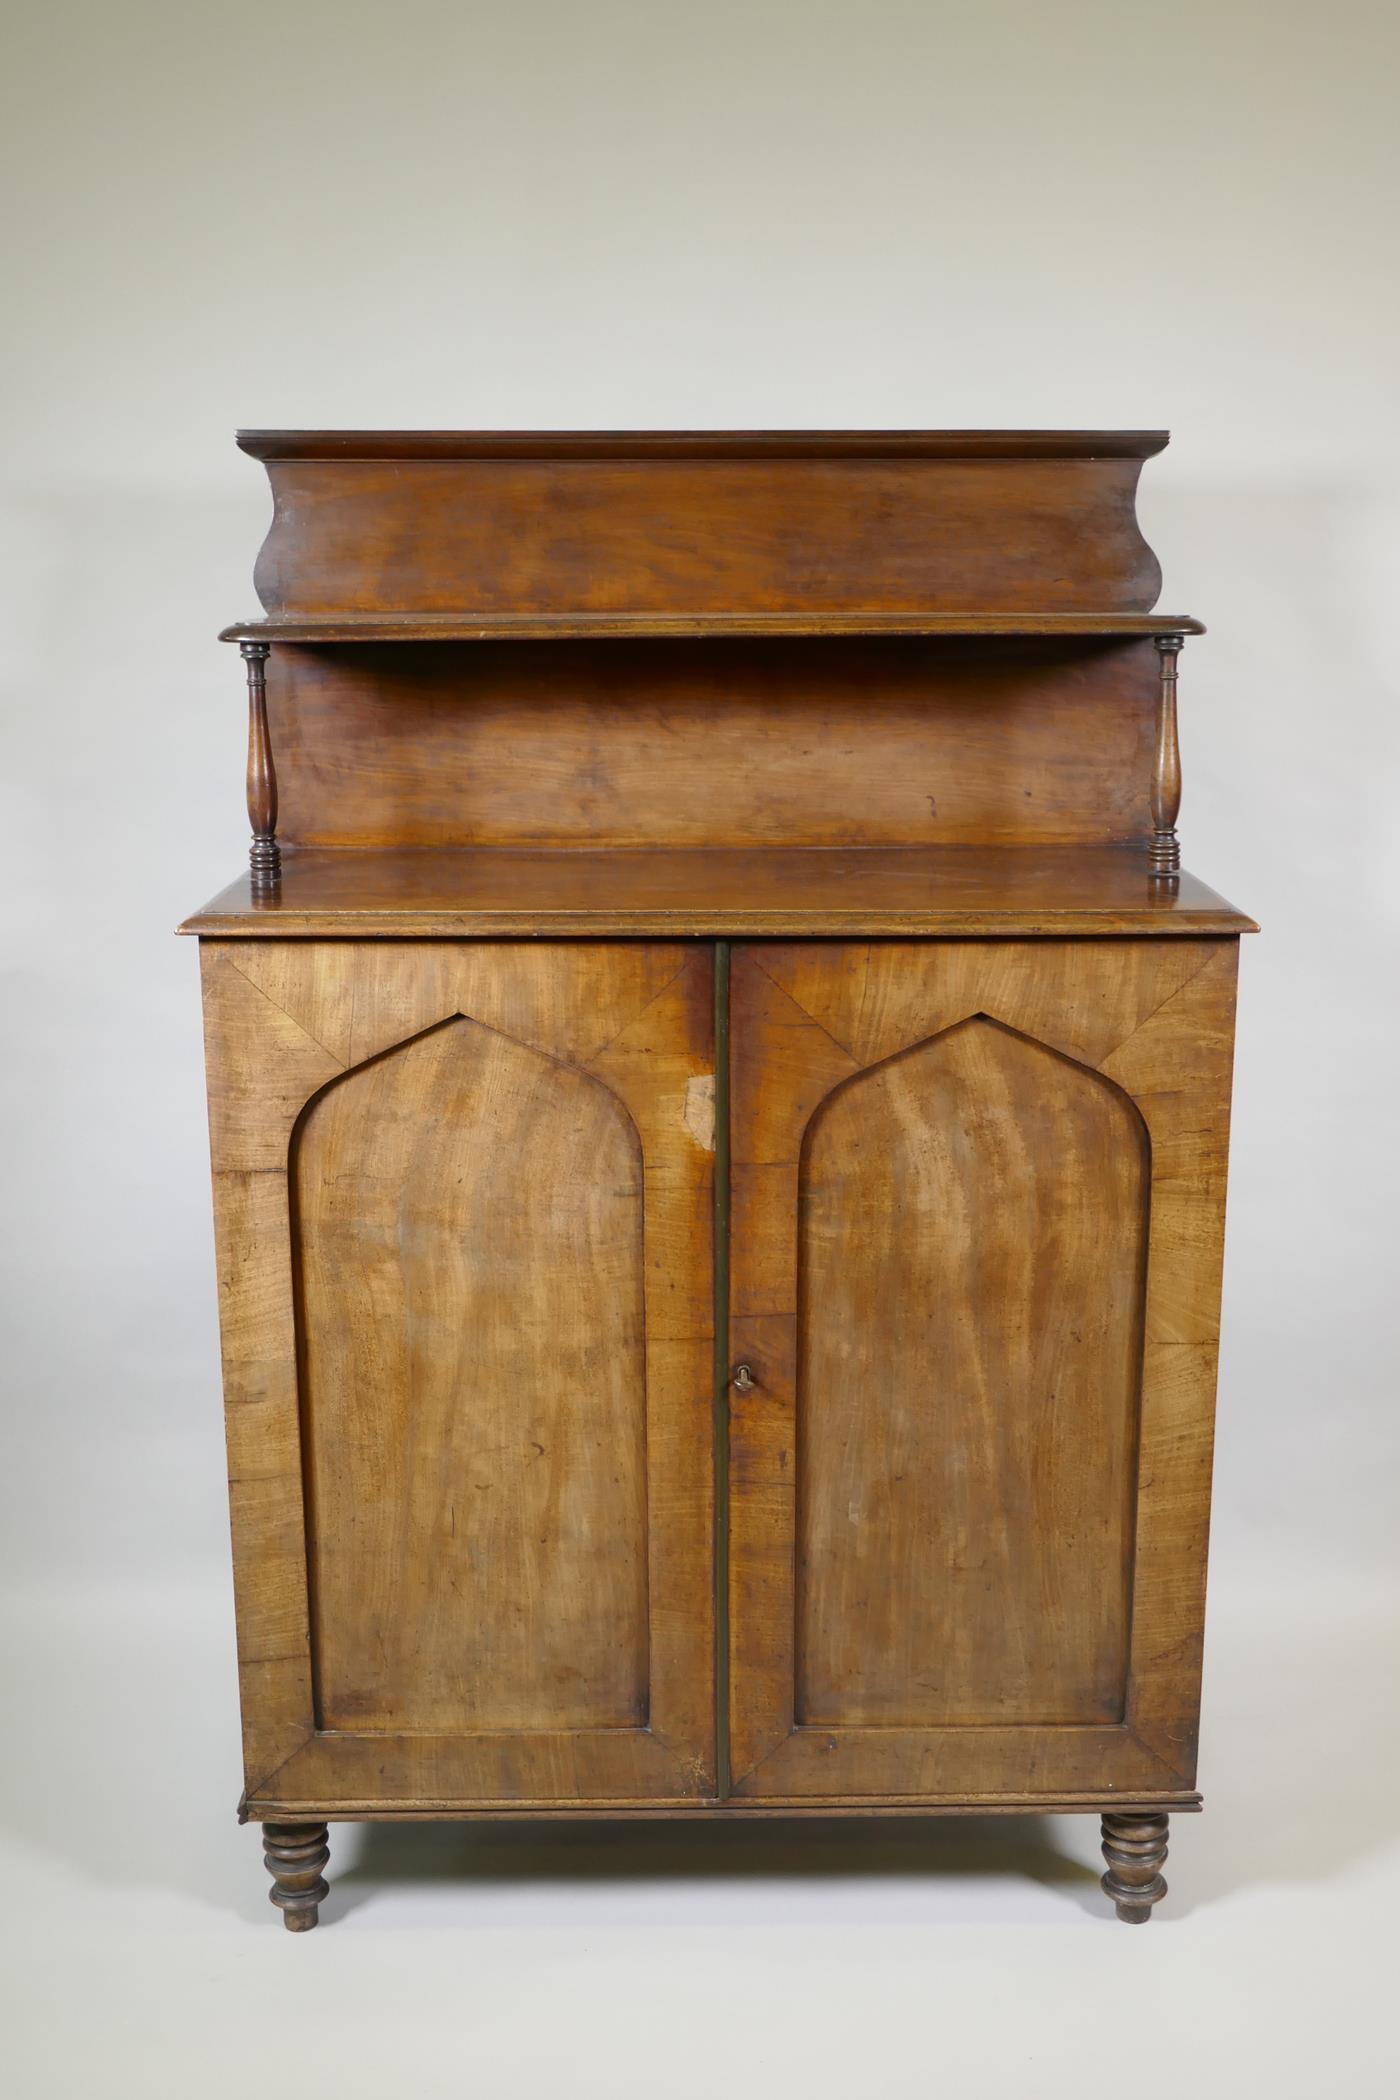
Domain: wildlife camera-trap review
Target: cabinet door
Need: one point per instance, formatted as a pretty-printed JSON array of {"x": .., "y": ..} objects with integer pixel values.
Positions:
[
  {"x": 977, "y": 1208},
  {"x": 464, "y": 1222}
]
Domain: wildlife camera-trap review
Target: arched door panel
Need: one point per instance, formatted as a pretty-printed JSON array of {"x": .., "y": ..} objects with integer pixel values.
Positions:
[
  {"x": 971, "y": 1226},
  {"x": 468, "y": 1242}
]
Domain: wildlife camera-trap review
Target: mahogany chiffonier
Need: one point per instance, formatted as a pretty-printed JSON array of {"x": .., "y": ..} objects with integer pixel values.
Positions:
[{"x": 718, "y": 1090}]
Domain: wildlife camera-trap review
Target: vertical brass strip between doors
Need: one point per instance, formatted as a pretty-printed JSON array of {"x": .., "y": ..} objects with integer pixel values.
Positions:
[{"x": 721, "y": 1394}]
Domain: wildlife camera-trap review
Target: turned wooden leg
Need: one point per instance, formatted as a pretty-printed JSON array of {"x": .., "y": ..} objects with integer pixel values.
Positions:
[
  {"x": 1136, "y": 1849},
  {"x": 295, "y": 1854}
]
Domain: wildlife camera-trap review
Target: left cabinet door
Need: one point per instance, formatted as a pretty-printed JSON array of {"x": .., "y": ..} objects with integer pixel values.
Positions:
[{"x": 463, "y": 1206}]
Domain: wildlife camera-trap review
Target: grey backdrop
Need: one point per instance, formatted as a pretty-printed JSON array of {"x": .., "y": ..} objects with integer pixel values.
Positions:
[{"x": 630, "y": 215}]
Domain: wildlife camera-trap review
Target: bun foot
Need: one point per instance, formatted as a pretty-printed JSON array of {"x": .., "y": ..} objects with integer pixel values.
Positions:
[
  {"x": 1136, "y": 1850},
  {"x": 294, "y": 1854}
]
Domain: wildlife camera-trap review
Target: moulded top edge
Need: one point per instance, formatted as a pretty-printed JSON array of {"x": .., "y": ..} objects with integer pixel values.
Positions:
[
  {"x": 582, "y": 626},
  {"x": 701, "y": 444}
]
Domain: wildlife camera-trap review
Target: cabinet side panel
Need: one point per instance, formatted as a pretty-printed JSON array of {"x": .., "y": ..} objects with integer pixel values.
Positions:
[
  {"x": 469, "y": 1253},
  {"x": 972, "y": 1222}
]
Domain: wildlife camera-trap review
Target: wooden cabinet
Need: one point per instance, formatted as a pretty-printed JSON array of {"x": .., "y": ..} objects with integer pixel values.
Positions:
[{"x": 718, "y": 1097}]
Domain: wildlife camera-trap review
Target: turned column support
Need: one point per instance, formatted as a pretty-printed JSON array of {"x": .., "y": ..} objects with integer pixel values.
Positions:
[
  {"x": 1164, "y": 853},
  {"x": 264, "y": 855},
  {"x": 294, "y": 1854},
  {"x": 1135, "y": 1848}
]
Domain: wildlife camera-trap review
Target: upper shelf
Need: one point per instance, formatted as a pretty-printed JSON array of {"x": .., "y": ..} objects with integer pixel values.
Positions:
[
  {"x": 824, "y": 738},
  {"x": 713, "y": 532},
  {"x": 574, "y": 626}
]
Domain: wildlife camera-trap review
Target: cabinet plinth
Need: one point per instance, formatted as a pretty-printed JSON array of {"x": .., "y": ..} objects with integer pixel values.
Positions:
[{"x": 719, "y": 1094}]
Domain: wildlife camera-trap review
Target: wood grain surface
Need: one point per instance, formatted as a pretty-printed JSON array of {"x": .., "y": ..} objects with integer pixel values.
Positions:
[
  {"x": 715, "y": 743},
  {"x": 468, "y": 1243},
  {"x": 971, "y": 1224},
  {"x": 719, "y": 890},
  {"x": 935, "y": 521}
]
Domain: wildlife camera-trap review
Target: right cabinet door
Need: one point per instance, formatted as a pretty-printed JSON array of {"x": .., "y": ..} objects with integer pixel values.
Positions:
[{"x": 977, "y": 1204}]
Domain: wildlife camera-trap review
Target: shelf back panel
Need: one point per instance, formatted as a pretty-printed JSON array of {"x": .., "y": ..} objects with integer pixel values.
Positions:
[{"x": 714, "y": 743}]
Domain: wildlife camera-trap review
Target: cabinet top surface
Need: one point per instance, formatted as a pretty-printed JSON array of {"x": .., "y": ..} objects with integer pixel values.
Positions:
[
  {"x": 702, "y": 444},
  {"x": 465, "y": 892}
]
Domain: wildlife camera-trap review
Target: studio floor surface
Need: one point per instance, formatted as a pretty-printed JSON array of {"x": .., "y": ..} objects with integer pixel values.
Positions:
[{"x": 960, "y": 1957}]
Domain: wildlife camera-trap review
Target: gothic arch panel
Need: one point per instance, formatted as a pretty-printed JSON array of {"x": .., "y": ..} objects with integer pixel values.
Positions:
[
  {"x": 468, "y": 1249},
  {"x": 972, "y": 1219}
]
